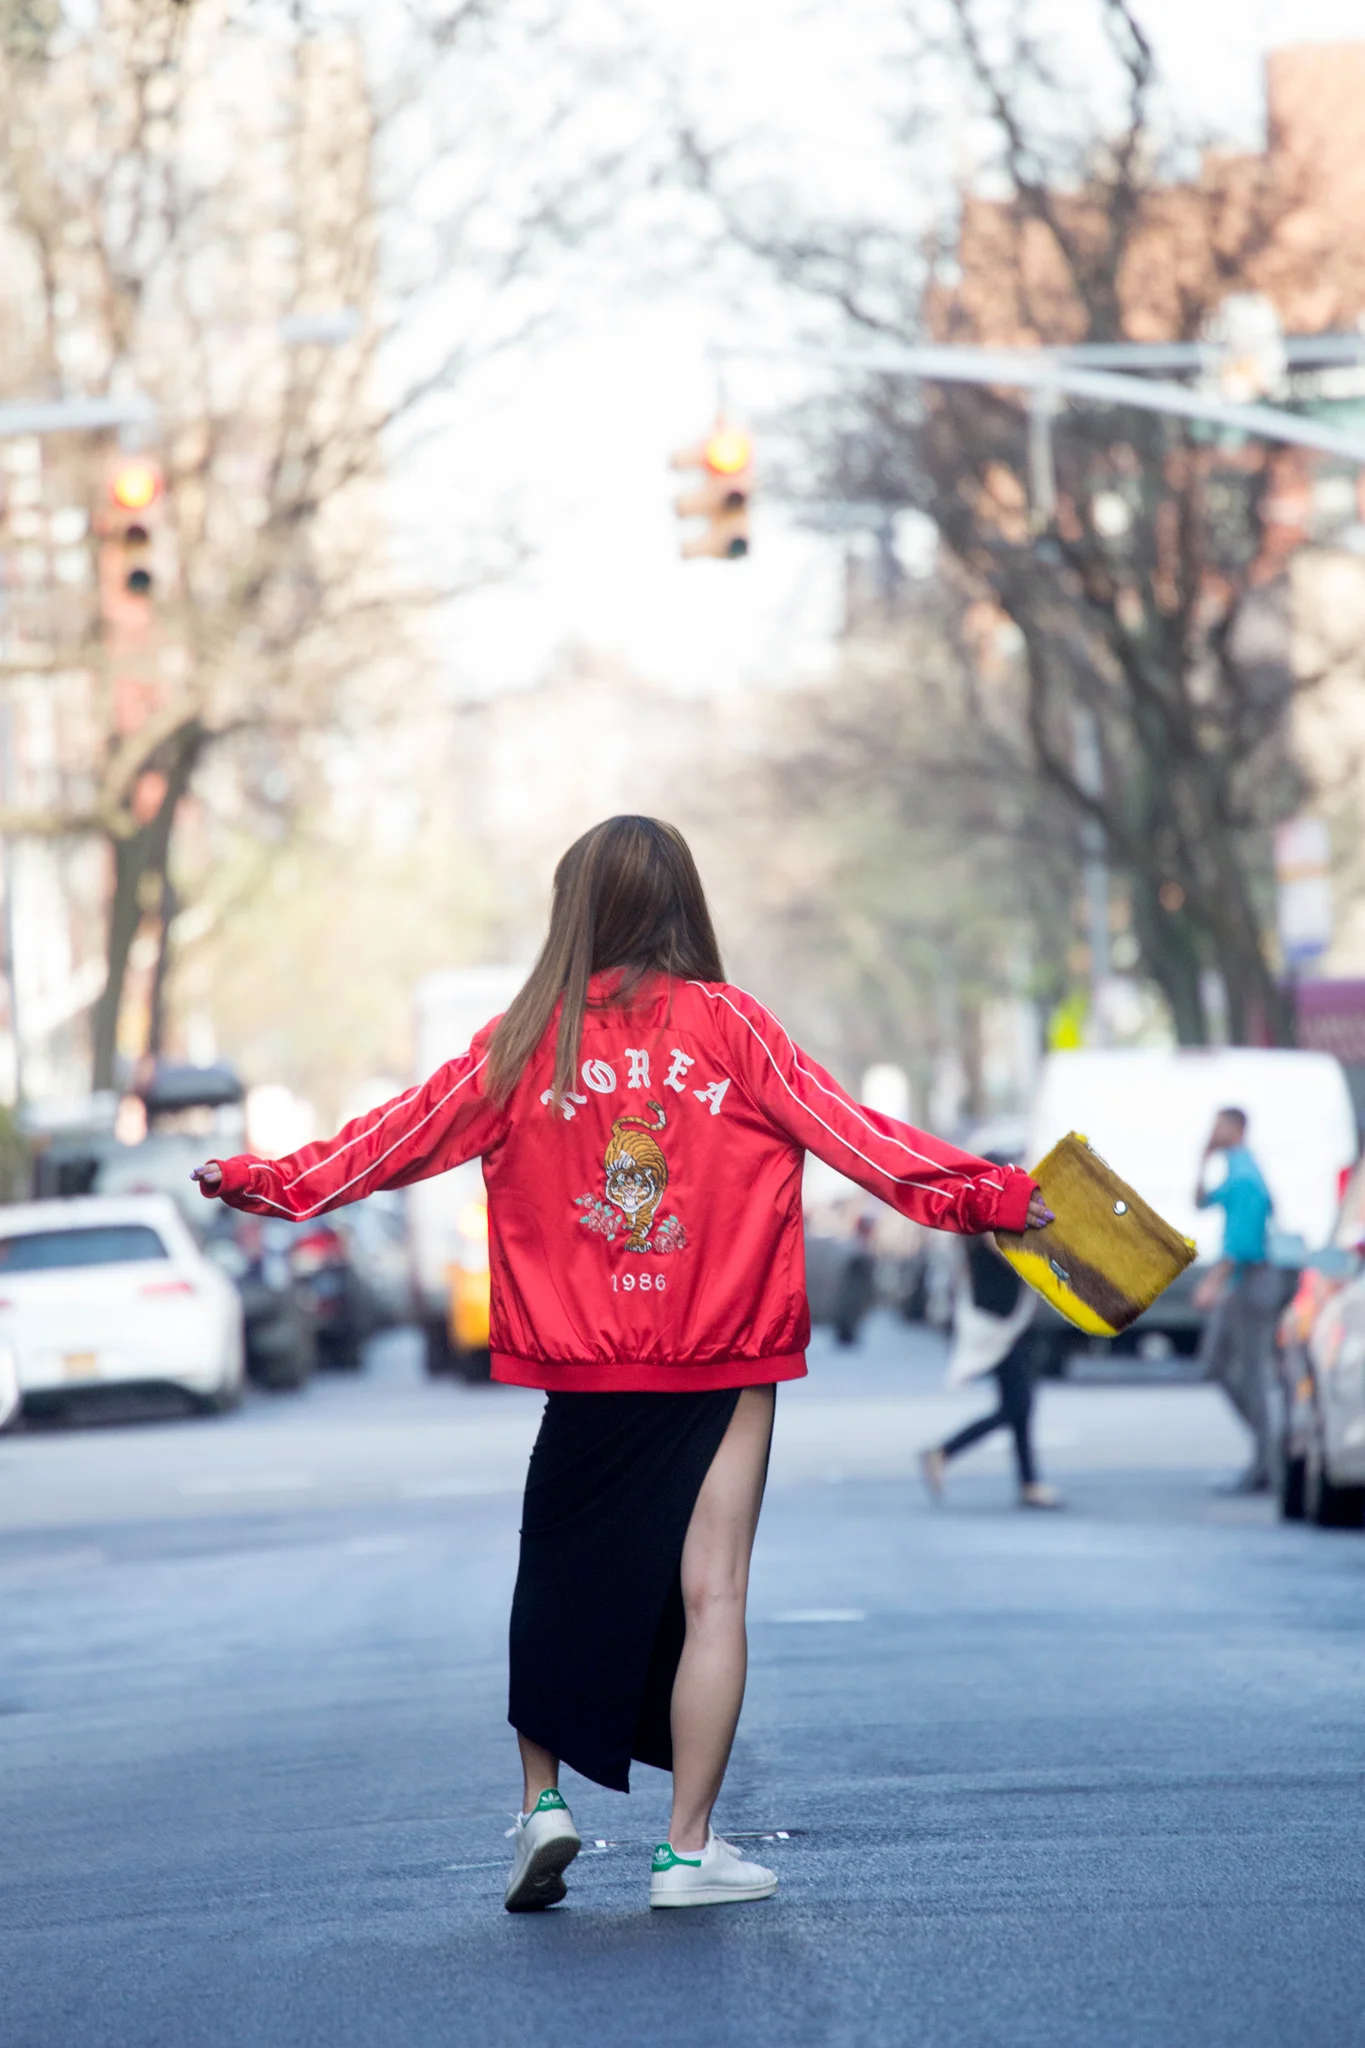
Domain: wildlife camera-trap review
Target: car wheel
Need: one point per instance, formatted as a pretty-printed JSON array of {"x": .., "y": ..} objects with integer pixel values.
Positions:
[
  {"x": 286, "y": 1370},
  {"x": 1293, "y": 1484},
  {"x": 1330, "y": 1506},
  {"x": 439, "y": 1355},
  {"x": 223, "y": 1399},
  {"x": 475, "y": 1367},
  {"x": 294, "y": 1371},
  {"x": 341, "y": 1354}
]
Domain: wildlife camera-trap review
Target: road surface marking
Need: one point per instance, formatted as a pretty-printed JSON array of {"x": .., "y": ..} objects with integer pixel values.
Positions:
[
  {"x": 247, "y": 1482},
  {"x": 823, "y": 1614}
]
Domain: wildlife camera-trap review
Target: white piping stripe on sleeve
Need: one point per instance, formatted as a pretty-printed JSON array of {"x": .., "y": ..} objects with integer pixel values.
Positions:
[
  {"x": 907, "y": 1179},
  {"x": 835, "y": 1095},
  {"x": 302, "y": 1217},
  {"x": 380, "y": 1115}
]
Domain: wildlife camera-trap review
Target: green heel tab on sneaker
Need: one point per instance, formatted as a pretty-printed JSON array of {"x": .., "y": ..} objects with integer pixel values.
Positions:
[
  {"x": 550, "y": 1802},
  {"x": 667, "y": 1858}
]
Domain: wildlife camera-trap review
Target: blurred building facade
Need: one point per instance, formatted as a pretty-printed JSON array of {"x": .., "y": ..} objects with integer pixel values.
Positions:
[{"x": 1283, "y": 223}]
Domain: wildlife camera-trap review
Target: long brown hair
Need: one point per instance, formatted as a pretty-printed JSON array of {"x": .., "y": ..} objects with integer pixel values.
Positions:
[{"x": 627, "y": 894}]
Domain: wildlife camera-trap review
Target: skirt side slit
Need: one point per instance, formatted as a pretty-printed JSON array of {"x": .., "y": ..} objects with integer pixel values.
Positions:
[{"x": 597, "y": 1617}]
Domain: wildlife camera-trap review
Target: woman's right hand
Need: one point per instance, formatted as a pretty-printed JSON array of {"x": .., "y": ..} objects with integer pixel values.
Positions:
[{"x": 210, "y": 1177}]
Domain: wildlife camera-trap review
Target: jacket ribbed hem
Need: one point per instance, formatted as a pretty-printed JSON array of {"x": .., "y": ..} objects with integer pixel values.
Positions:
[{"x": 590, "y": 1378}]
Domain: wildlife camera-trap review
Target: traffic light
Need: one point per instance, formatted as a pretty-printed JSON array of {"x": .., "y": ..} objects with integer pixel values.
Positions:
[
  {"x": 725, "y": 459},
  {"x": 135, "y": 485}
]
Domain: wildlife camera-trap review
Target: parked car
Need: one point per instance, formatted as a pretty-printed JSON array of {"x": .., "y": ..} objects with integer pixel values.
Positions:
[
  {"x": 860, "y": 1253},
  {"x": 1148, "y": 1111},
  {"x": 114, "y": 1291},
  {"x": 11, "y": 1395},
  {"x": 1321, "y": 1361},
  {"x": 68, "y": 1140},
  {"x": 257, "y": 1254},
  {"x": 319, "y": 1253},
  {"x": 160, "y": 1164},
  {"x": 377, "y": 1241},
  {"x": 315, "y": 1291},
  {"x": 80, "y": 1147},
  {"x": 352, "y": 1274},
  {"x": 448, "y": 1214}
]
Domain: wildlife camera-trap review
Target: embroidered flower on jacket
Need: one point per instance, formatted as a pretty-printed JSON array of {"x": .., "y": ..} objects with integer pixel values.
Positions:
[
  {"x": 599, "y": 1216},
  {"x": 606, "y": 1220},
  {"x": 669, "y": 1236}
]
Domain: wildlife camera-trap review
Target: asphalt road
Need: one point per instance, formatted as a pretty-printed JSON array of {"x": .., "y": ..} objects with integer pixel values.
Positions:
[{"x": 1095, "y": 1778}]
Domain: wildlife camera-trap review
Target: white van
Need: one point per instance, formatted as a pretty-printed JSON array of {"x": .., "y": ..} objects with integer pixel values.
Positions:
[{"x": 1148, "y": 1111}]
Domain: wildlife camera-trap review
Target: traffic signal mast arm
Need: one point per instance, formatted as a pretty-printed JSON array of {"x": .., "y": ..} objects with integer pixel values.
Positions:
[{"x": 1049, "y": 370}]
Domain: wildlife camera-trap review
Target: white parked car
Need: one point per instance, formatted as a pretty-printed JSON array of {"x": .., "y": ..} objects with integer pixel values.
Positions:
[
  {"x": 112, "y": 1290},
  {"x": 10, "y": 1399}
]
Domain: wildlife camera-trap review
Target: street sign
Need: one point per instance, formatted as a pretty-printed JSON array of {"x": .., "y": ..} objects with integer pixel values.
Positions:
[{"x": 1250, "y": 360}]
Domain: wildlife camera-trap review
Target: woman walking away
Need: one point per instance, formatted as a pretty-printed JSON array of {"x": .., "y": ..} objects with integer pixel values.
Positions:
[
  {"x": 642, "y": 1127},
  {"x": 992, "y": 1320}
]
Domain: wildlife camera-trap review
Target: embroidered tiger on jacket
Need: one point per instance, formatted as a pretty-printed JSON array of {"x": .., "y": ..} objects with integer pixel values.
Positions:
[{"x": 637, "y": 1173}]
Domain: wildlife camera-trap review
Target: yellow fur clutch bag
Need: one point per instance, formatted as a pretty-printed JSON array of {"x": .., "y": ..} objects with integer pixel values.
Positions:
[{"x": 1107, "y": 1256}]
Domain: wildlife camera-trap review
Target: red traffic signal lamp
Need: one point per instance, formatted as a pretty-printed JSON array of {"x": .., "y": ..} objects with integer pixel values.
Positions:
[{"x": 725, "y": 459}]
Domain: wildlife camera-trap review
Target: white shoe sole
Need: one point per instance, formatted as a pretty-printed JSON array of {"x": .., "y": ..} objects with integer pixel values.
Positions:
[
  {"x": 541, "y": 1883},
  {"x": 712, "y": 1895}
]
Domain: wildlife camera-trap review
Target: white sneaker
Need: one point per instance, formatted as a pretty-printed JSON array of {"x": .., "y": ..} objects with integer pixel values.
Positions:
[
  {"x": 546, "y": 1843},
  {"x": 1039, "y": 1496},
  {"x": 718, "y": 1877}
]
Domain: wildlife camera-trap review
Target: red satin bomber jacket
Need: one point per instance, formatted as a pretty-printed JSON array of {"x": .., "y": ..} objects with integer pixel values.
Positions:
[{"x": 647, "y": 1234}]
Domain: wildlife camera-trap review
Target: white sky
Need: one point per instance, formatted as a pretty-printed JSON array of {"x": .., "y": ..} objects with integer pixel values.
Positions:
[{"x": 578, "y": 439}]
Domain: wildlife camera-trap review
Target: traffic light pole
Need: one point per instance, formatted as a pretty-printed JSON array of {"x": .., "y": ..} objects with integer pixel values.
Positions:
[
  {"x": 1070, "y": 374},
  {"x": 1102, "y": 373},
  {"x": 75, "y": 415}
]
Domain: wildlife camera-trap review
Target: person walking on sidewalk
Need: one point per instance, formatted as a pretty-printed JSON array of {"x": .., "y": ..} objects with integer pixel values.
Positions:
[
  {"x": 1241, "y": 1293},
  {"x": 992, "y": 1321},
  {"x": 642, "y": 1126}
]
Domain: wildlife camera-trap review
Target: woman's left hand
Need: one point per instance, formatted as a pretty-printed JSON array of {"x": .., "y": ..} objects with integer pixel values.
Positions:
[{"x": 1039, "y": 1215}]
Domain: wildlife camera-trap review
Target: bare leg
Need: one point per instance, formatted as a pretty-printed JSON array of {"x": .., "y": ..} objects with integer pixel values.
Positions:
[
  {"x": 709, "y": 1689},
  {"x": 539, "y": 1770}
]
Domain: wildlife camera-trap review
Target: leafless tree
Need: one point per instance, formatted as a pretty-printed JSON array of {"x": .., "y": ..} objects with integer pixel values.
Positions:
[
  {"x": 894, "y": 886},
  {"x": 1149, "y": 602},
  {"x": 296, "y": 229}
]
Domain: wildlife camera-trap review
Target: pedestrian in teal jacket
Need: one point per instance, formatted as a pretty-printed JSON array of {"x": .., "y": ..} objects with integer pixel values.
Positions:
[{"x": 1242, "y": 1292}]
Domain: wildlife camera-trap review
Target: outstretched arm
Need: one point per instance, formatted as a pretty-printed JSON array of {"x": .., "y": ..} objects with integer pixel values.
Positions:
[
  {"x": 925, "y": 1178},
  {"x": 428, "y": 1129}
]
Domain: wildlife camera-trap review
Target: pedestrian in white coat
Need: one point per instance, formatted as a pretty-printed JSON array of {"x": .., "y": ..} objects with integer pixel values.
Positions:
[{"x": 992, "y": 1316}]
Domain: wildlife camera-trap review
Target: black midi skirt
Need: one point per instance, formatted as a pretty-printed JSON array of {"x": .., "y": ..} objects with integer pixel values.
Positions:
[{"x": 597, "y": 1616}]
